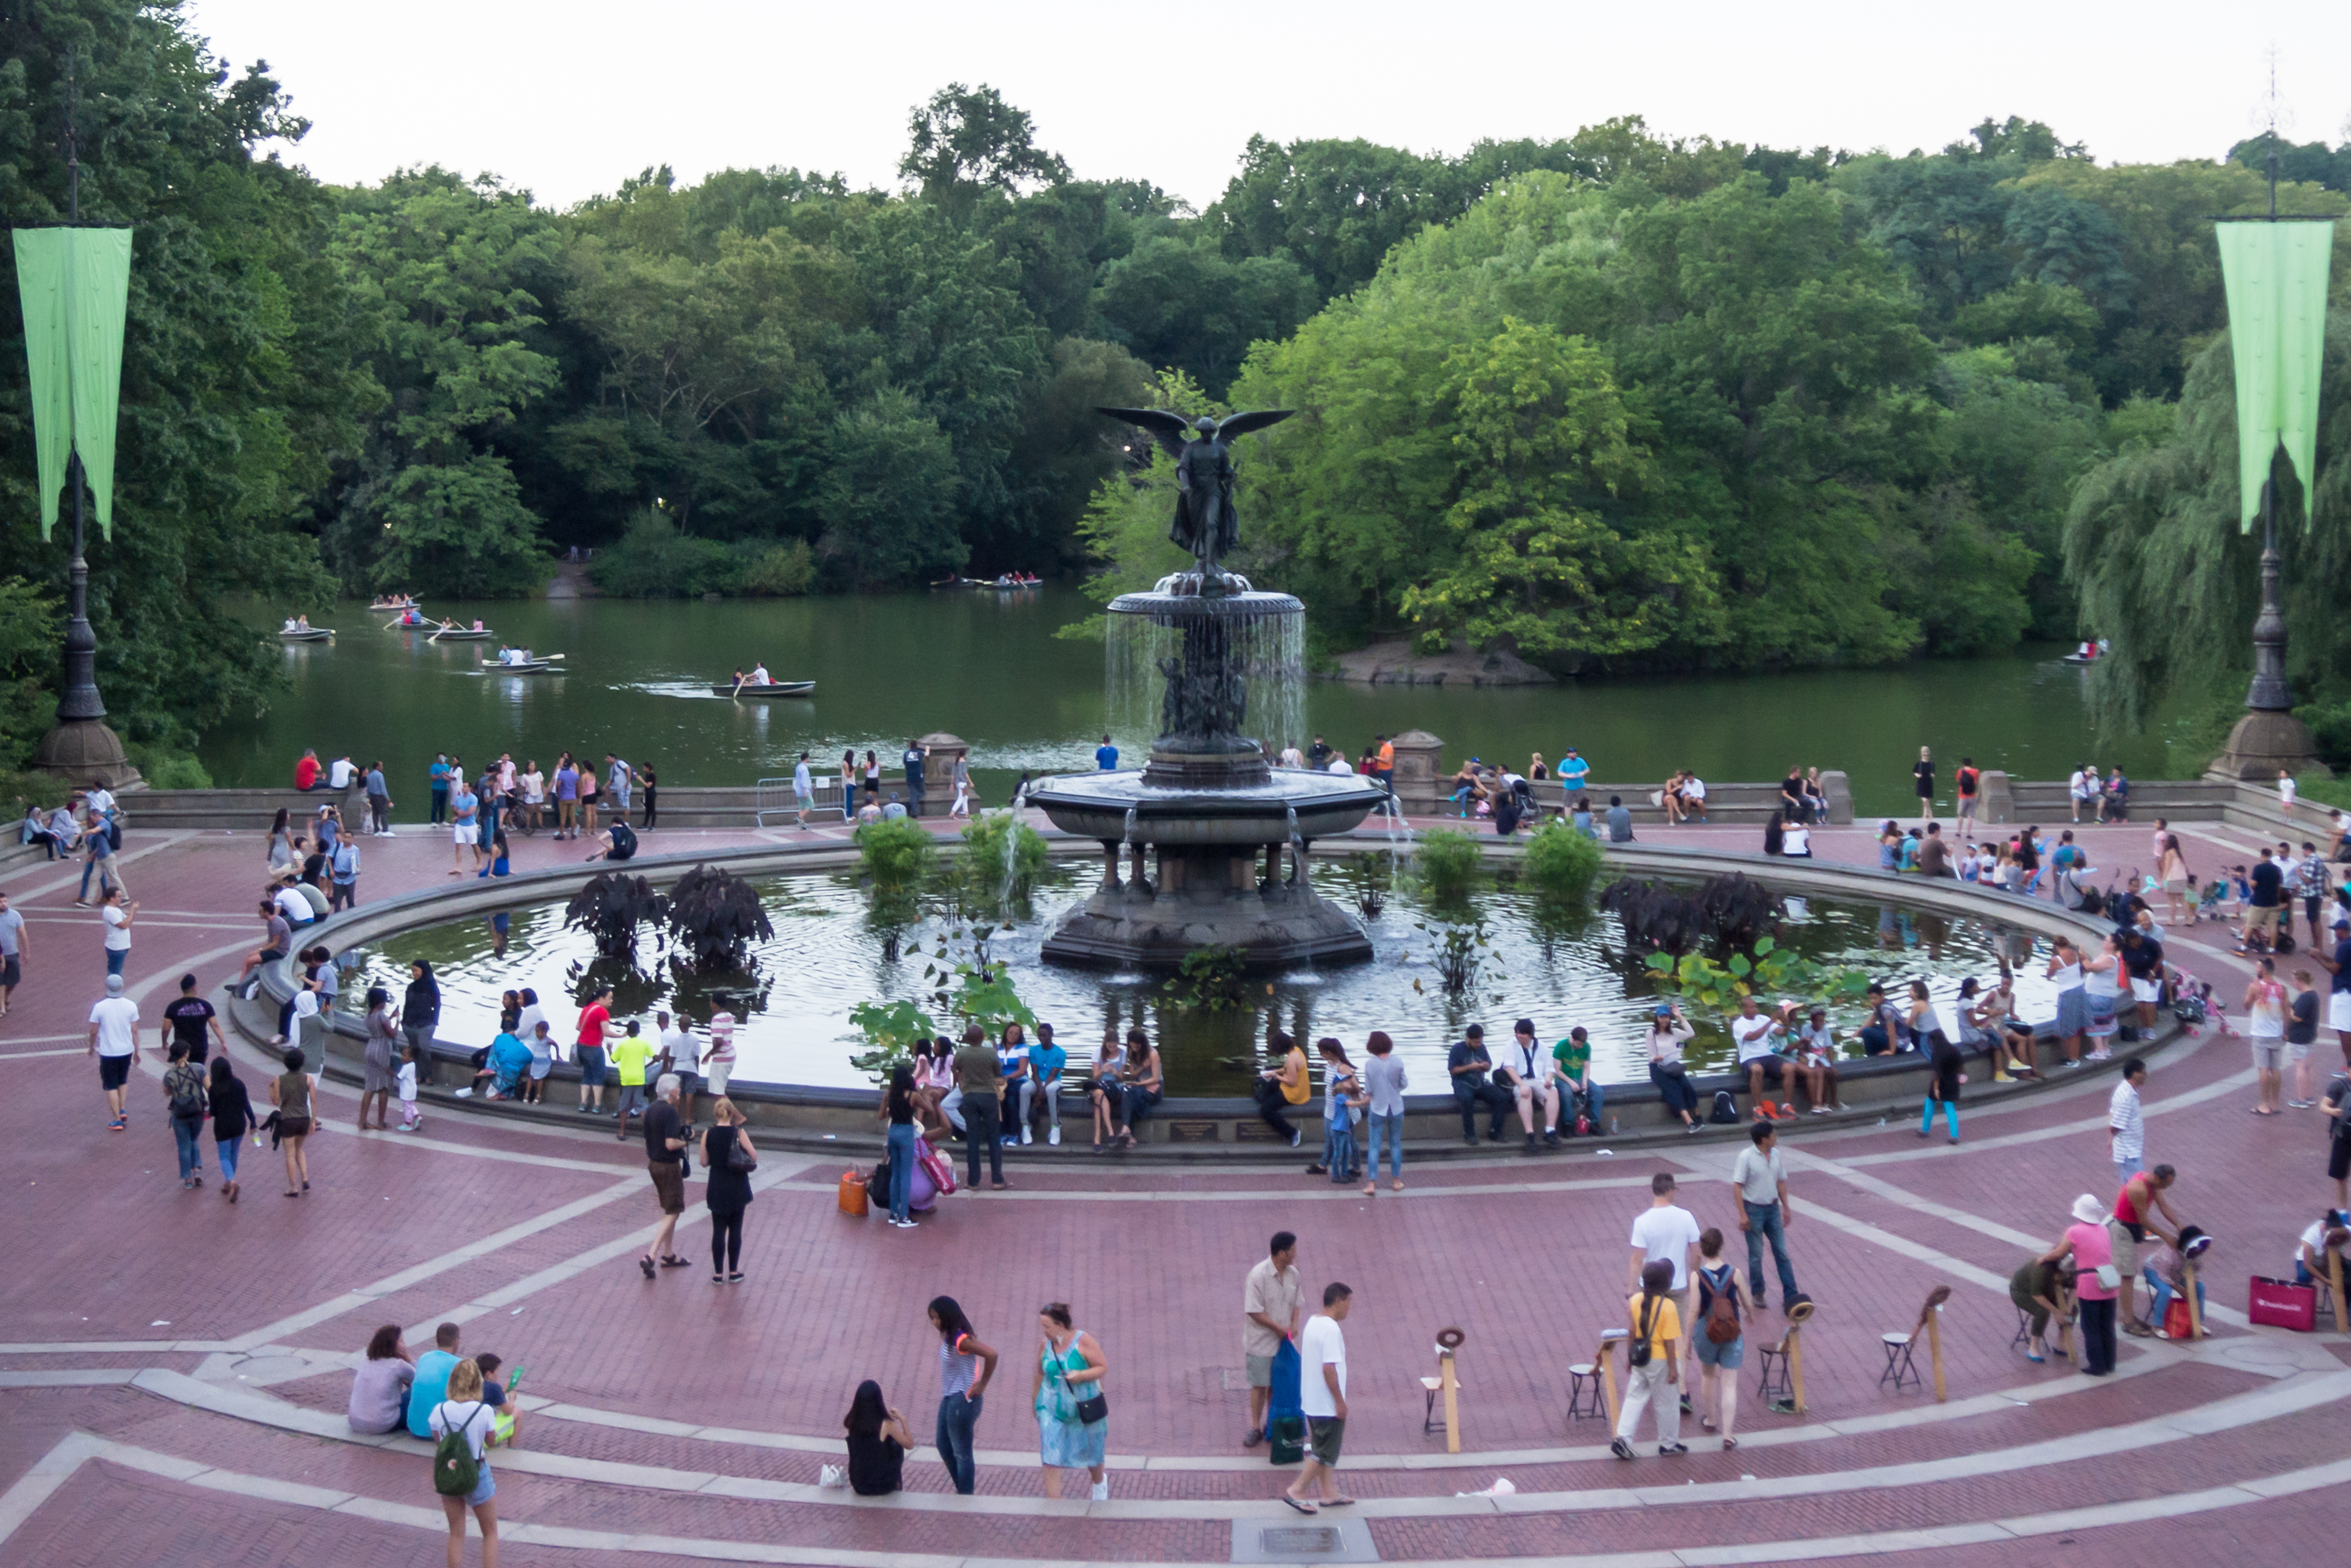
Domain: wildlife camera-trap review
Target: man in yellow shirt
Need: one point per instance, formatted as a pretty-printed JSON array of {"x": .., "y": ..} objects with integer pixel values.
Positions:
[
  {"x": 629, "y": 1054},
  {"x": 1656, "y": 1375}
]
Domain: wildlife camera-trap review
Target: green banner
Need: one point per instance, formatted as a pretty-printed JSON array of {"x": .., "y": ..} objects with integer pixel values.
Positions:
[
  {"x": 2276, "y": 278},
  {"x": 75, "y": 285}
]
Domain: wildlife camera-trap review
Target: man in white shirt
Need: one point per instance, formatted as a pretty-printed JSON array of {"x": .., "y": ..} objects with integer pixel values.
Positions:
[
  {"x": 1759, "y": 1186},
  {"x": 760, "y": 676},
  {"x": 113, "y": 1039},
  {"x": 1758, "y": 1036},
  {"x": 1323, "y": 1396},
  {"x": 293, "y": 906},
  {"x": 118, "y": 913},
  {"x": 2126, "y": 1128},
  {"x": 1291, "y": 757},
  {"x": 339, "y": 773},
  {"x": 1528, "y": 1071},
  {"x": 680, "y": 1055},
  {"x": 803, "y": 789},
  {"x": 1665, "y": 1233},
  {"x": 1694, "y": 802}
]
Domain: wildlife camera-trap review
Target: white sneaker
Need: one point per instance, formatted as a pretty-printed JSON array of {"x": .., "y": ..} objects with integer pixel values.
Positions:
[
  {"x": 1100, "y": 1492},
  {"x": 1025, "y": 1138},
  {"x": 1053, "y": 1134}
]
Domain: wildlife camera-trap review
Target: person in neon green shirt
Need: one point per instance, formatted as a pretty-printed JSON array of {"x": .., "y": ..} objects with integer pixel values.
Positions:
[
  {"x": 1574, "y": 1055},
  {"x": 629, "y": 1054}
]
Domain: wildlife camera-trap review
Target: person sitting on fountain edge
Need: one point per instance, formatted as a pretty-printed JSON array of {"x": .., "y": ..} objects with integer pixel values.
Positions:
[{"x": 1472, "y": 1086}]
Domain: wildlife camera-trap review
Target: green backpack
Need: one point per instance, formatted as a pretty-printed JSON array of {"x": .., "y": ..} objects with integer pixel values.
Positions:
[{"x": 455, "y": 1471}]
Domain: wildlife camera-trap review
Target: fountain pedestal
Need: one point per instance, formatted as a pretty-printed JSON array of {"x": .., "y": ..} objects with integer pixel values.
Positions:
[{"x": 1206, "y": 845}]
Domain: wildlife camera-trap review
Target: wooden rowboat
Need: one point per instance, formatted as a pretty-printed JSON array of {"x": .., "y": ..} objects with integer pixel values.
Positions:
[
  {"x": 463, "y": 634},
  {"x": 315, "y": 635},
  {"x": 536, "y": 667},
  {"x": 772, "y": 689}
]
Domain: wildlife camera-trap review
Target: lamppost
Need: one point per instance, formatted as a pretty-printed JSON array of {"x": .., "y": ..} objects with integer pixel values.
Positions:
[
  {"x": 74, "y": 284},
  {"x": 2274, "y": 268}
]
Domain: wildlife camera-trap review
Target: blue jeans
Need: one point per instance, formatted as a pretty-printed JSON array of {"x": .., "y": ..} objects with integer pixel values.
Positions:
[
  {"x": 1469, "y": 1096},
  {"x": 1595, "y": 1100},
  {"x": 114, "y": 959},
  {"x": 99, "y": 863},
  {"x": 1674, "y": 1089},
  {"x": 227, "y": 1148},
  {"x": 1765, "y": 1222},
  {"x": 901, "y": 1168},
  {"x": 1339, "y": 1146},
  {"x": 1950, "y": 1116},
  {"x": 2128, "y": 1166},
  {"x": 957, "y": 1417},
  {"x": 1391, "y": 1125},
  {"x": 184, "y": 1133},
  {"x": 440, "y": 806},
  {"x": 2163, "y": 1294}
]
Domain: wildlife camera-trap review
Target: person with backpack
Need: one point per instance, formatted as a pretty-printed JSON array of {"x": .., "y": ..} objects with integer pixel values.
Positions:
[
  {"x": 1653, "y": 1360},
  {"x": 184, "y": 1094},
  {"x": 464, "y": 1427},
  {"x": 1720, "y": 1342},
  {"x": 727, "y": 1161}
]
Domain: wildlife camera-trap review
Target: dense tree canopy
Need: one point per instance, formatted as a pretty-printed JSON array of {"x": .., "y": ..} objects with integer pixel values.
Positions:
[{"x": 1611, "y": 400}]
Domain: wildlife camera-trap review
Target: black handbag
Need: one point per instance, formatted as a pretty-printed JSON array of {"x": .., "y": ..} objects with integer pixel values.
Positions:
[{"x": 1094, "y": 1408}]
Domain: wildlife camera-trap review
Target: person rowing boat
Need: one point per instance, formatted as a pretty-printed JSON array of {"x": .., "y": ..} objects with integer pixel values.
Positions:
[{"x": 513, "y": 655}]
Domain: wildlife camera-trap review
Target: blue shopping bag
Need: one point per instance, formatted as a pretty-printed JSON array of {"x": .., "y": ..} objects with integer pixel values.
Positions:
[{"x": 1285, "y": 1419}]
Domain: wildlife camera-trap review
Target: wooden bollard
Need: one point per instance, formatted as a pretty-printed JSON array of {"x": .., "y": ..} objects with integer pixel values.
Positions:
[
  {"x": 2334, "y": 1278},
  {"x": 1606, "y": 1358},
  {"x": 1935, "y": 1349},
  {"x": 1448, "y": 1342},
  {"x": 1798, "y": 1314}
]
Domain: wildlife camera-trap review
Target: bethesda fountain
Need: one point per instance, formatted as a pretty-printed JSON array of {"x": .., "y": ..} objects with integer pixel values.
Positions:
[{"x": 1206, "y": 845}]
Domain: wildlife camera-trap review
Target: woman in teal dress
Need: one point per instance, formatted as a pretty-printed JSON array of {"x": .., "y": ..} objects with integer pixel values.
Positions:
[{"x": 1070, "y": 1368}]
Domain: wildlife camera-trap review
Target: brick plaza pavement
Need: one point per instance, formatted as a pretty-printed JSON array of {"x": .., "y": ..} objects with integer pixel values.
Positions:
[{"x": 676, "y": 1420}]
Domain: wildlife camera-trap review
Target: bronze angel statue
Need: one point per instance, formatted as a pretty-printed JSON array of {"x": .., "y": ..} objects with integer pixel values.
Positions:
[{"x": 1205, "y": 522}]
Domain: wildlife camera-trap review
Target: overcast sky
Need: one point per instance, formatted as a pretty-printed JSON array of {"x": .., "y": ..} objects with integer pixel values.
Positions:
[{"x": 568, "y": 99}]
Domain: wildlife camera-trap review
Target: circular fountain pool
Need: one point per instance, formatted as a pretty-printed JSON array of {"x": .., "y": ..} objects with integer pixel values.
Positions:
[{"x": 830, "y": 951}]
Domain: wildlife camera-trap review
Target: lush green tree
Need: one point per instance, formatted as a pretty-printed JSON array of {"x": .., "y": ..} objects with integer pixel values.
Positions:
[
  {"x": 965, "y": 140},
  {"x": 2305, "y": 163},
  {"x": 238, "y": 385},
  {"x": 1180, "y": 303},
  {"x": 888, "y": 498},
  {"x": 445, "y": 280}
]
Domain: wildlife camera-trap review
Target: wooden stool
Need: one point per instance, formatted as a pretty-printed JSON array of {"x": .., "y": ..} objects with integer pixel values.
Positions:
[
  {"x": 1899, "y": 1369},
  {"x": 1430, "y": 1421},
  {"x": 1585, "y": 1397},
  {"x": 1775, "y": 1387}
]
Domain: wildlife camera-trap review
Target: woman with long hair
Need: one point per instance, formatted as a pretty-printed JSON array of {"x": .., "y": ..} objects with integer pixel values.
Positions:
[
  {"x": 379, "y": 1401},
  {"x": 280, "y": 847},
  {"x": 380, "y": 1059},
  {"x": 878, "y": 1441},
  {"x": 899, "y": 1105},
  {"x": 1070, "y": 1368},
  {"x": 729, "y": 1188},
  {"x": 2171, "y": 871},
  {"x": 291, "y": 1092},
  {"x": 965, "y": 1365},
  {"x": 465, "y": 1411},
  {"x": 232, "y": 1112}
]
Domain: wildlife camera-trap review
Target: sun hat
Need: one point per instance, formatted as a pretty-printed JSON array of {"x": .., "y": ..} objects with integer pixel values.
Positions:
[{"x": 2086, "y": 1209}]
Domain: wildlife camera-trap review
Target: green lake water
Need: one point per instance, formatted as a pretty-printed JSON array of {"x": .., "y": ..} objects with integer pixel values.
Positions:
[{"x": 988, "y": 668}]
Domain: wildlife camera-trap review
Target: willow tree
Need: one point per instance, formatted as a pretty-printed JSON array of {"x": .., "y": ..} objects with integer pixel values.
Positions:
[{"x": 2154, "y": 548}]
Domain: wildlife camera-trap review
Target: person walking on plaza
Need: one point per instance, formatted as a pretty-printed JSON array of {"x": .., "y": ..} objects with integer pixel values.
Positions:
[
  {"x": 803, "y": 789},
  {"x": 1322, "y": 1394},
  {"x": 1383, "y": 1084},
  {"x": 1969, "y": 782},
  {"x": 12, "y": 954},
  {"x": 1269, "y": 1303},
  {"x": 1945, "y": 1060},
  {"x": 379, "y": 802},
  {"x": 1072, "y": 1414},
  {"x": 466, "y": 1417},
  {"x": 114, "y": 1040},
  {"x": 193, "y": 1022},
  {"x": 727, "y": 1161},
  {"x": 232, "y": 1114},
  {"x": 118, "y": 915},
  {"x": 2125, "y": 1125},
  {"x": 1654, "y": 1361},
  {"x": 186, "y": 1105},
  {"x": 293, "y": 1092},
  {"x": 1718, "y": 1337},
  {"x": 2266, "y": 1006},
  {"x": 2300, "y": 1034},
  {"x": 1664, "y": 1233},
  {"x": 666, "y": 1163},
  {"x": 1468, "y": 1066},
  {"x": 965, "y": 1368},
  {"x": 343, "y": 874},
  {"x": 978, "y": 1074},
  {"x": 1281, "y": 1088},
  {"x": 2088, "y": 1244},
  {"x": 1759, "y": 1188}
]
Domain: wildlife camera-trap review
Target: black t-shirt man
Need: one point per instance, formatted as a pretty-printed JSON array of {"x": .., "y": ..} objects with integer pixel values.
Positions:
[
  {"x": 188, "y": 1016},
  {"x": 1791, "y": 792},
  {"x": 663, "y": 1124},
  {"x": 2267, "y": 883}
]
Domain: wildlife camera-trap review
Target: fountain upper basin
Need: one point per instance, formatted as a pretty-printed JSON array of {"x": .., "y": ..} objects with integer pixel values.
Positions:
[{"x": 1095, "y": 805}]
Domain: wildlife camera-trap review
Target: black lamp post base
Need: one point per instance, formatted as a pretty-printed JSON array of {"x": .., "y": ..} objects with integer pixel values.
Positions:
[
  {"x": 2263, "y": 741},
  {"x": 79, "y": 752}
]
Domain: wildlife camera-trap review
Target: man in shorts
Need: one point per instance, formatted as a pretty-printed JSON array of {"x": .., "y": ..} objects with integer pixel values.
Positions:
[
  {"x": 2134, "y": 1210},
  {"x": 1323, "y": 1394},
  {"x": 665, "y": 1161},
  {"x": 594, "y": 1019},
  {"x": 2263, "y": 911},
  {"x": 114, "y": 1040},
  {"x": 1270, "y": 1315},
  {"x": 11, "y": 953},
  {"x": 466, "y": 829}
]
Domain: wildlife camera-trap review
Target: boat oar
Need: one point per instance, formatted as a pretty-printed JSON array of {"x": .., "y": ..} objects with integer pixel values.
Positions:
[{"x": 738, "y": 688}]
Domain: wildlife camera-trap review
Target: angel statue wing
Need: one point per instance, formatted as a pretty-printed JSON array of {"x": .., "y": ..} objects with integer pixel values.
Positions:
[
  {"x": 1166, "y": 427},
  {"x": 1256, "y": 419}
]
